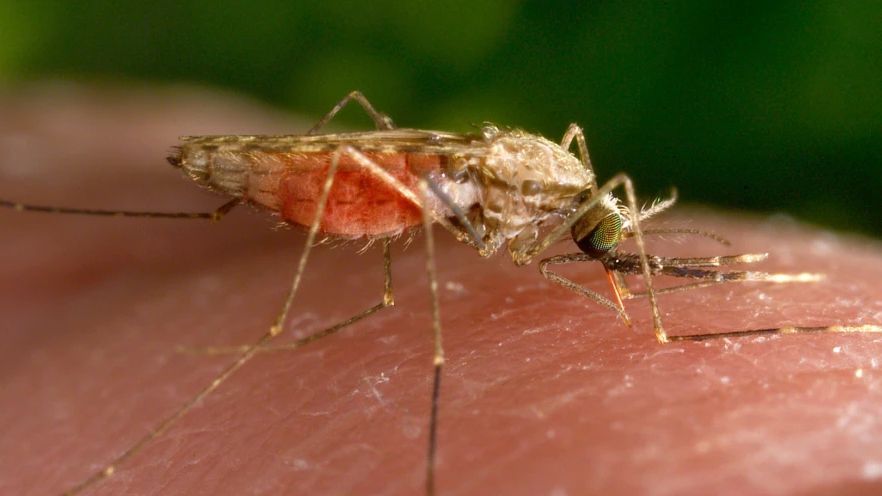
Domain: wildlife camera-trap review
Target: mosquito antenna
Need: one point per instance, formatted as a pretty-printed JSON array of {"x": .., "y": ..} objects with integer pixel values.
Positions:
[
  {"x": 683, "y": 230},
  {"x": 658, "y": 206}
]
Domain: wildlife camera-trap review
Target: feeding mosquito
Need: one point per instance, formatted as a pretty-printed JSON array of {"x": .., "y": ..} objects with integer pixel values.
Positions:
[{"x": 497, "y": 187}]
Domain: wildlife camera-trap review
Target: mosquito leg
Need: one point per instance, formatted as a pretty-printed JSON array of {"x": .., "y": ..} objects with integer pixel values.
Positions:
[
  {"x": 438, "y": 355},
  {"x": 712, "y": 278},
  {"x": 525, "y": 256},
  {"x": 577, "y": 288},
  {"x": 471, "y": 235},
  {"x": 388, "y": 301},
  {"x": 215, "y": 215},
  {"x": 660, "y": 334},
  {"x": 575, "y": 132},
  {"x": 382, "y": 121},
  {"x": 630, "y": 265},
  {"x": 836, "y": 329},
  {"x": 245, "y": 356},
  {"x": 428, "y": 217}
]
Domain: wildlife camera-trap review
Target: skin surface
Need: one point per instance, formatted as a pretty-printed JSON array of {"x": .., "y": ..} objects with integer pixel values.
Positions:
[{"x": 543, "y": 391}]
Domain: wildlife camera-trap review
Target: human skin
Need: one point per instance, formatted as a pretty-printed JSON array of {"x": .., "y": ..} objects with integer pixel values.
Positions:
[{"x": 543, "y": 391}]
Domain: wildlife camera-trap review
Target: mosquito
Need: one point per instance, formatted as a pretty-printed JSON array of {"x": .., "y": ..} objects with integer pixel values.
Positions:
[{"x": 493, "y": 188}]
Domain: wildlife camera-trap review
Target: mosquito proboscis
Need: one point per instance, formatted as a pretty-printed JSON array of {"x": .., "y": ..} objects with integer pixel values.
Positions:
[{"x": 493, "y": 188}]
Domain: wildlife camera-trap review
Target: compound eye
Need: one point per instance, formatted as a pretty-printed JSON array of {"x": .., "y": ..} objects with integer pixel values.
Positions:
[{"x": 604, "y": 237}]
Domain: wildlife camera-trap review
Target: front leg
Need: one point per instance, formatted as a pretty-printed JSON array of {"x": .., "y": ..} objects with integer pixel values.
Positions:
[
  {"x": 575, "y": 132},
  {"x": 556, "y": 278}
]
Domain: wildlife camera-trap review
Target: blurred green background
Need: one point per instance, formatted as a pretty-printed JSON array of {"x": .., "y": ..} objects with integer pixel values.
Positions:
[{"x": 767, "y": 106}]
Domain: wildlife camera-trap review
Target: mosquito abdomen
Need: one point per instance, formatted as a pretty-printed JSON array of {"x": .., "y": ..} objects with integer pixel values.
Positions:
[
  {"x": 359, "y": 204},
  {"x": 290, "y": 184}
]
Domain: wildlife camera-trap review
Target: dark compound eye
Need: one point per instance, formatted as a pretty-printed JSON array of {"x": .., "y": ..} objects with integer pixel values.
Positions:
[{"x": 604, "y": 237}]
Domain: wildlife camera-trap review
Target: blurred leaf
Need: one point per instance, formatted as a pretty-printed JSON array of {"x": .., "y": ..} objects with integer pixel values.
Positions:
[{"x": 23, "y": 29}]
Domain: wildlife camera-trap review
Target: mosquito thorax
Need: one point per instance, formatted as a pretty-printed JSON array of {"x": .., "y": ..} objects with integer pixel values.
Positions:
[{"x": 598, "y": 232}]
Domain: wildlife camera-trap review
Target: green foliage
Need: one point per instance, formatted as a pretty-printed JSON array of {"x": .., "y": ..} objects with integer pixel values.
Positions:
[{"x": 757, "y": 105}]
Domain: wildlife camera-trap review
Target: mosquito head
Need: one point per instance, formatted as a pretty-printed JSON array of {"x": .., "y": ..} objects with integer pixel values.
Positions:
[{"x": 598, "y": 232}]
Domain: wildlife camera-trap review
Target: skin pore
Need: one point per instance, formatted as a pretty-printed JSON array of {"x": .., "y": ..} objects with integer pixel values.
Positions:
[{"x": 543, "y": 392}]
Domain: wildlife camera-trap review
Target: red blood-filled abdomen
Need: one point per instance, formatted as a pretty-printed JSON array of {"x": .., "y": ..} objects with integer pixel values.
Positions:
[{"x": 359, "y": 203}]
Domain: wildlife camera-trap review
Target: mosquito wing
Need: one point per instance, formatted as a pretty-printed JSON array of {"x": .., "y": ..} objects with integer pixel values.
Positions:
[
  {"x": 385, "y": 141},
  {"x": 286, "y": 174}
]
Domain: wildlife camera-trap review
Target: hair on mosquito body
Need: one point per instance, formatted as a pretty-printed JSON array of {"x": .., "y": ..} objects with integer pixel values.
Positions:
[{"x": 496, "y": 188}]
